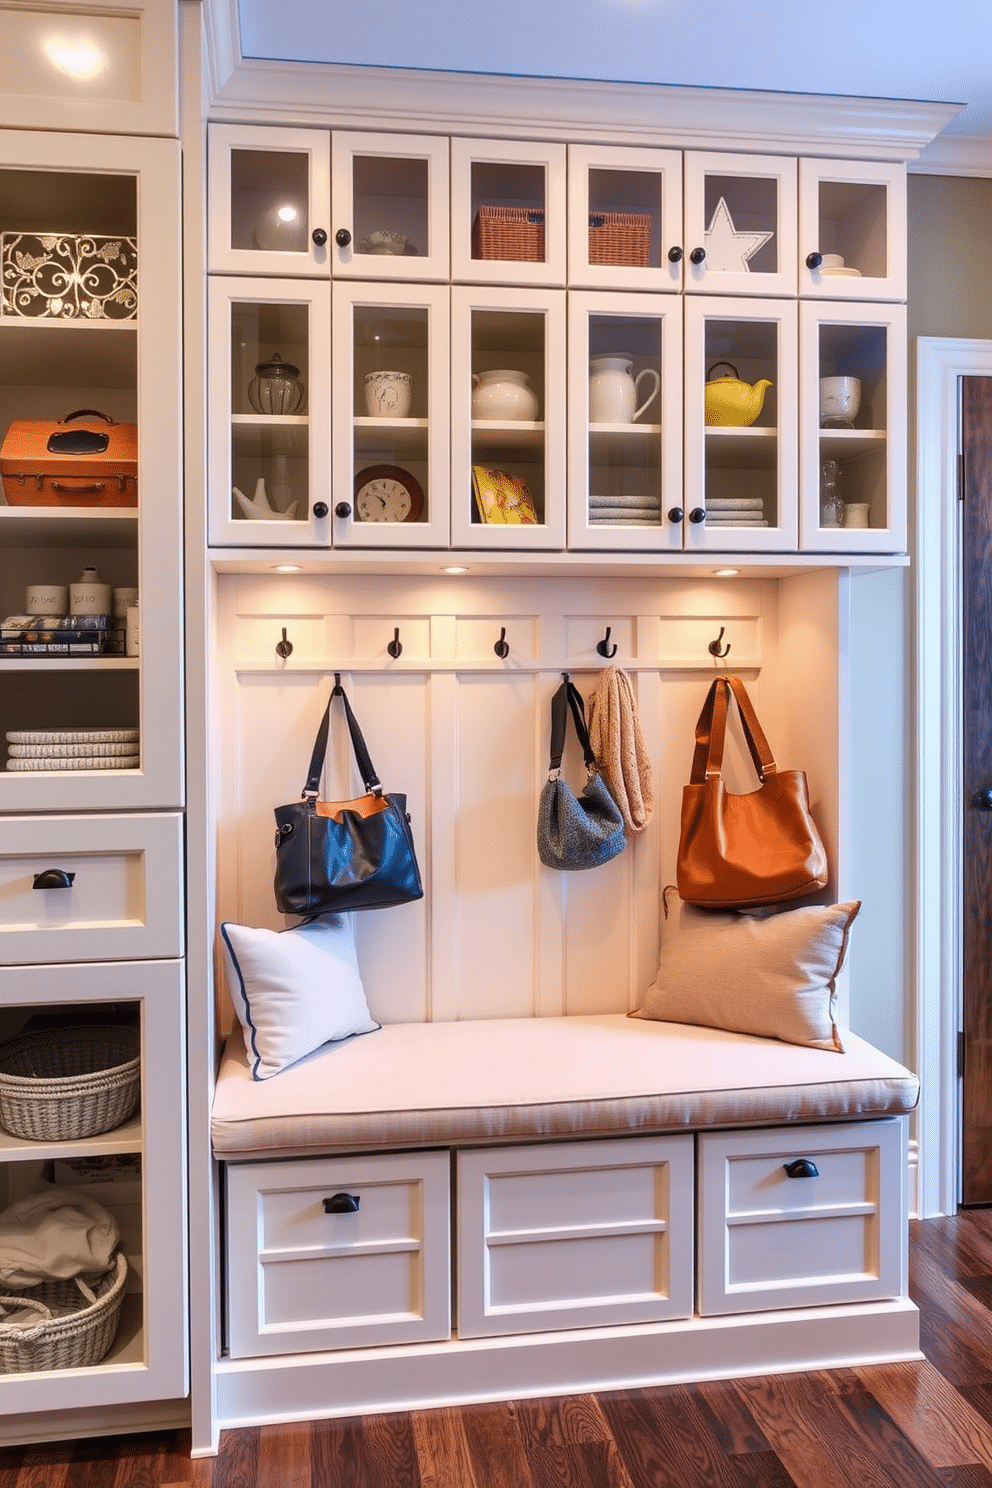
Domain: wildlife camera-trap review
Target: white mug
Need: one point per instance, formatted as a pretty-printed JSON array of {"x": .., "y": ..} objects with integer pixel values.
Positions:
[
  {"x": 856, "y": 514},
  {"x": 47, "y": 599},
  {"x": 388, "y": 394}
]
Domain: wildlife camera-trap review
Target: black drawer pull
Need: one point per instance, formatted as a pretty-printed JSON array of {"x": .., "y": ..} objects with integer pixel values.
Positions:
[
  {"x": 802, "y": 1168},
  {"x": 342, "y": 1203},
  {"x": 53, "y": 878}
]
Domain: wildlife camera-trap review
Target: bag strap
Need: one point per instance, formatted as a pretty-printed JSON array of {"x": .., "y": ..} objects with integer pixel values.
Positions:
[
  {"x": 711, "y": 732},
  {"x": 568, "y": 698},
  {"x": 365, "y": 765}
]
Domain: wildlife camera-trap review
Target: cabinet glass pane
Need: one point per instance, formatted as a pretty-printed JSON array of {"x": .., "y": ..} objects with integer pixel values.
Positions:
[
  {"x": 741, "y": 224},
  {"x": 853, "y": 219},
  {"x": 741, "y": 470},
  {"x": 853, "y": 396},
  {"x": 391, "y": 414},
  {"x": 269, "y": 200},
  {"x": 508, "y": 432},
  {"x": 508, "y": 211},
  {"x": 270, "y": 427},
  {"x": 625, "y": 217},
  {"x": 390, "y": 207},
  {"x": 625, "y": 432}
]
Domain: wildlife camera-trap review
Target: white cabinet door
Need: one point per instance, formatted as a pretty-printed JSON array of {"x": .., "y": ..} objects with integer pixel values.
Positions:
[
  {"x": 572, "y": 1235},
  {"x": 269, "y": 430},
  {"x": 741, "y": 417},
  {"x": 268, "y": 200},
  {"x": 391, "y": 412},
  {"x": 389, "y": 206},
  {"x": 740, "y": 224},
  {"x": 508, "y": 212},
  {"x": 853, "y": 427},
  {"x": 508, "y": 418},
  {"x": 804, "y": 1216},
  {"x": 625, "y": 421},
  {"x": 852, "y": 230},
  {"x": 624, "y": 218}
]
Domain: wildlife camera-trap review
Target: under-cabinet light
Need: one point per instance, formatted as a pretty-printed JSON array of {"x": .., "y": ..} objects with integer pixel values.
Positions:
[
  {"x": 287, "y": 568},
  {"x": 725, "y": 573},
  {"x": 454, "y": 568}
]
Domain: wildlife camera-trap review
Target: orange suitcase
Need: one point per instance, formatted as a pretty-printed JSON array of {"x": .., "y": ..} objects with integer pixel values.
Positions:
[{"x": 86, "y": 459}]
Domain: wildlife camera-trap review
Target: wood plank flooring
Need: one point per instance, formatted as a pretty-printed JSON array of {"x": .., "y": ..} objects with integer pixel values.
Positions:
[{"x": 921, "y": 1425}]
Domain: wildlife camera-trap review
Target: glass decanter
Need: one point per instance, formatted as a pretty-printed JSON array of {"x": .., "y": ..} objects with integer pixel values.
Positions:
[{"x": 831, "y": 501}]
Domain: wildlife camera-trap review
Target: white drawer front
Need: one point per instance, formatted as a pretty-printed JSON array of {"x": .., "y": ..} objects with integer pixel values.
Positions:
[
  {"x": 569, "y": 1235},
  {"x": 125, "y": 896},
  {"x": 768, "y": 1239},
  {"x": 300, "y": 1277}
]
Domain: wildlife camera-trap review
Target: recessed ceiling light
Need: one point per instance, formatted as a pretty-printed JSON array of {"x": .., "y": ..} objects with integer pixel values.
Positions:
[
  {"x": 287, "y": 568},
  {"x": 725, "y": 573}
]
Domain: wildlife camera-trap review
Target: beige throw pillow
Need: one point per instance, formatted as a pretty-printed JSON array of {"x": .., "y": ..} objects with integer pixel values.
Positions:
[{"x": 768, "y": 974}]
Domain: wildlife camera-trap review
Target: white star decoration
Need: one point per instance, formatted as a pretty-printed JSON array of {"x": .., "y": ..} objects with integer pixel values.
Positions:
[{"x": 727, "y": 250}]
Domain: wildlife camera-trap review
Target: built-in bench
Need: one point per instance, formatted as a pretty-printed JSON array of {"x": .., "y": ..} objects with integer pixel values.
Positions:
[{"x": 631, "y": 1202}]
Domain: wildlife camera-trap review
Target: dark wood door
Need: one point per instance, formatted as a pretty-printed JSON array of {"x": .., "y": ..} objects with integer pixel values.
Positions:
[{"x": 976, "y": 590}]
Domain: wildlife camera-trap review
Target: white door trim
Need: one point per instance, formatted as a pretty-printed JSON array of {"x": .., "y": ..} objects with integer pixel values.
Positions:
[{"x": 940, "y": 364}]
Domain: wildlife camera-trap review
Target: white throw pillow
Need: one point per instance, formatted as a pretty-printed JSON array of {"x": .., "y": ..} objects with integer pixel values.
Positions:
[
  {"x": 294, "y": 990},
  {"x": 770, "y": 973}
]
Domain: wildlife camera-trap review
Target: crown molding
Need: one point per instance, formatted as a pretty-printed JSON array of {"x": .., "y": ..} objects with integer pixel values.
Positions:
[
  {"x": 480, "y": 105},
  {"x": 955, "y": 155}
]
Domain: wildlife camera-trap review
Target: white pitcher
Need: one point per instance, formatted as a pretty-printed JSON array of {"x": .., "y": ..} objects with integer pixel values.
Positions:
[{"x": 614, "y": 391}]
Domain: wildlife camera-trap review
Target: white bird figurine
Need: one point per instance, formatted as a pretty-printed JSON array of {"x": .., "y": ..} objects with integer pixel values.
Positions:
[{"x": 259, "y": 508}]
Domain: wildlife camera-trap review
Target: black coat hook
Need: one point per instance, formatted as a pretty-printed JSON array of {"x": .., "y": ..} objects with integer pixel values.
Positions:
[
  {"x": 502, "y": 646},
  {"x": 604, "y": 648},
  {"x": 284, "y": 648},
  {"x": 714, "y": 646},
  {"x": 395, "y": 648}
]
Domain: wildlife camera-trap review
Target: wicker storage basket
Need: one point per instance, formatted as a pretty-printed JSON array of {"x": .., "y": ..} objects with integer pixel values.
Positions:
[
  {"x": 57, "y": 1085},
  {"x": 619, "y": 238},
  {"x": 515, "y": 233},
  {"x": 77, "y": 1322}
]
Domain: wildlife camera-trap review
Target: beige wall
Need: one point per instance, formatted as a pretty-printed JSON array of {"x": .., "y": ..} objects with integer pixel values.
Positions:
[{"x": 950, "y": 263}]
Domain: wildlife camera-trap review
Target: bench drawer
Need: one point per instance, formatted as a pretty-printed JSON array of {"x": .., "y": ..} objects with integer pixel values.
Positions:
[
  {"x": 305, "y": 1275},
  {"x": 124, "y": 899},
  {"x": 768, "y": 1239},
  {"x": 575, "y": 1234}
]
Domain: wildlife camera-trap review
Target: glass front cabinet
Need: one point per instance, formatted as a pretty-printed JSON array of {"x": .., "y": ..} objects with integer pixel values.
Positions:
[{"x": 429, "y": 399}]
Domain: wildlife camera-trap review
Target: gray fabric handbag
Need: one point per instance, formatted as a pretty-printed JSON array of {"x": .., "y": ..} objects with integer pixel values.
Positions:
[{"x": 575, "y": 831}]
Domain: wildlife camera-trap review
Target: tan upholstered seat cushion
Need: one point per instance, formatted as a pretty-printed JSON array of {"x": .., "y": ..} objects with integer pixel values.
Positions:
[{"x": 519, "y": 1079}]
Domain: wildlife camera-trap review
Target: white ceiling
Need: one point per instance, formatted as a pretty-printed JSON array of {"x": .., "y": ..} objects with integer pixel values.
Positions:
[{"x": 896, "y": 49}]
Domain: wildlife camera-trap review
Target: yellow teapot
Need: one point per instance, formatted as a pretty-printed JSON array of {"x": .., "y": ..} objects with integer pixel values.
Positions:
[{"x": 731, "y": 402}]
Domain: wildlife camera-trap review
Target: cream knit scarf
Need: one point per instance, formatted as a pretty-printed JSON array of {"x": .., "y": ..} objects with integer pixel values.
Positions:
[{"x": 618, "y": 744}]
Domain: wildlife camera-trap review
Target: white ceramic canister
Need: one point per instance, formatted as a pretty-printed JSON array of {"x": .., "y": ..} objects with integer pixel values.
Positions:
[
  {"x": 388, "y": 394},
  {"x": 88, "y": 596},
  {"x": 132, "y": 645},
  {"x": 124, "y": 600},
  {"x": 840, "y": 400},
  {"x": 503, "y": 394},
  {"x": 856, "y": 514},
  {"x": 46, "y": 599},
  {"x": 614, "y": 390}
]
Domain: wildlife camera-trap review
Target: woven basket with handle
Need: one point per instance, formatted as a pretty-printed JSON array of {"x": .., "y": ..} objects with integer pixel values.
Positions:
[
  {"x": 58, "y": 1085},
  {"x": 77, "y": 1322}
]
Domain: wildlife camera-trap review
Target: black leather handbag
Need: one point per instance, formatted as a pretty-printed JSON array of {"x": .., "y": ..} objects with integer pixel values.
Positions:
[{"x": 336, "y": 856}]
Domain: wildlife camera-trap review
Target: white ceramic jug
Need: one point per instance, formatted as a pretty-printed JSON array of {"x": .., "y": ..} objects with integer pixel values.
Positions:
[
  {"x": 614, "y": 391},
  {"x": 503, "y": 394}
]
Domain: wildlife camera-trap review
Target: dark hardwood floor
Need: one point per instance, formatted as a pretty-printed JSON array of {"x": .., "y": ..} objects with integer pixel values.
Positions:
[{"x": 921, "y": 1425}]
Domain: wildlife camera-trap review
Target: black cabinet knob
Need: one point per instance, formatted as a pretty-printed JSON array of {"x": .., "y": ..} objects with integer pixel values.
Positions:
[
  {"x": 53, "y": 878},
  {"x": 802, "y": 1167},
  {"x": 320, "y": 508},
  {"x": 697, "y": 255},
  {"x": 814, "y": 260},
  {"x": 343, "y": 509},
  {"x": 342, "y": 1203},
  {"x": 319, "y": 236},
  {"x": 342, "y": 237},
  {"x": 698, "y": 514},
  {"x": 675, "y": 514},
  {"x": 983, "y": 799},
  {"x": 675, "y": 254}
]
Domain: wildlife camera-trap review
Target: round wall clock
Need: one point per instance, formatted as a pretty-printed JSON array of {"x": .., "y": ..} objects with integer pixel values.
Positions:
[{"x": 386, "y": 493}]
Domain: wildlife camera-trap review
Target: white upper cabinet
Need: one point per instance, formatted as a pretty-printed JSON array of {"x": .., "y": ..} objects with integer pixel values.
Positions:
[
  {"x": 269, "y": 208},
  {"x": 389, "y": 206},
  {"x": 740, "y": 224},
  {"x": 852, "y": 234},
  {"x": 624, "y": 218},
  {"x": 508, "y": 210}
]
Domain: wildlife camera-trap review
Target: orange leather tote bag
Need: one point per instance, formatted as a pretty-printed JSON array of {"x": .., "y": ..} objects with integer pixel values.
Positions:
[{"x": 742, "y": 851}]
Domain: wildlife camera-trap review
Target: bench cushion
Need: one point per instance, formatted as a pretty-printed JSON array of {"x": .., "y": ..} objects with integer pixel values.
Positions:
[{"x": 519, "y": 1079}]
